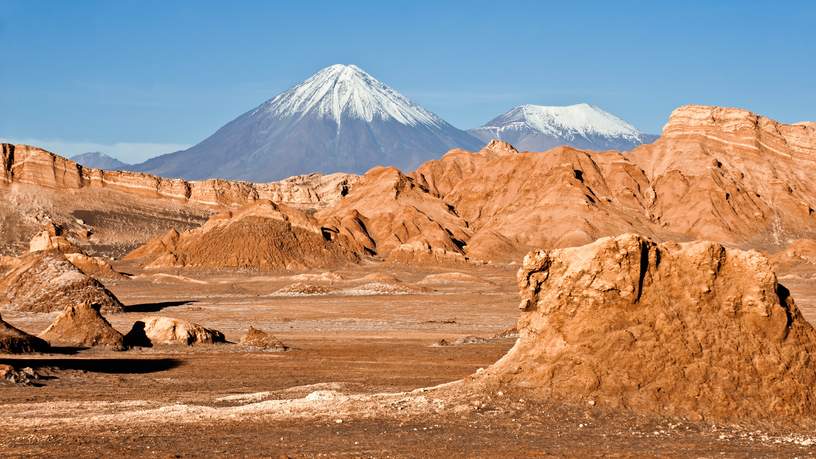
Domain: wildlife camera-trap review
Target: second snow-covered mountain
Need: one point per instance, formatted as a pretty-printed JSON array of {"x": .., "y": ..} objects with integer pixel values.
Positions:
[
  {"x": 339, "y": 120},
  {"x": 539, "y": 128}
]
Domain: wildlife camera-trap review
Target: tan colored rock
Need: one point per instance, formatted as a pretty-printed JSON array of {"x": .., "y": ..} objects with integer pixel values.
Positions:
[
  {"x": 94, "y": 266},
  {"x": 260, "y": 339},
  {"x": 47, "y": 281},
  {"x": 693, "y": 330},
  {"x": 157, "y": 331},
  {"x": 51, "y": 239},
  {"x": 82, "y": 325},
  {"x": 262, "y": 236},
  {"x": 15, "y": 341},
  {"x": 47, "y": 240},
  {"x": 24, "y": 164}
]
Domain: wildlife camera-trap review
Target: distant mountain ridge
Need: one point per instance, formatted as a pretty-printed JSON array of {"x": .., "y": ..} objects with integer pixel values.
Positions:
[
  {"x": 98, "y": 160},
  {"x": 341, "y": 119},
  {"x": 539, "y": 128}
]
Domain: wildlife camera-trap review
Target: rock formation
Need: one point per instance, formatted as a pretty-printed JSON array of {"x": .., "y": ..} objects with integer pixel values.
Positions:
[
  {"x": 156, "y": 331},
  {"x": 82, "y": 325},
  {"x": 47, "y": 281},
  {"x": 692, "y": 330},
  {"x": 52, "y": 239},
  {"x": 262, "y": 235},
  {"x": 14, "y": 341},
  {"x": 716, "y": 173},
  {"x": 24, "y": 164},
  {"x": 259, "y": 339}
]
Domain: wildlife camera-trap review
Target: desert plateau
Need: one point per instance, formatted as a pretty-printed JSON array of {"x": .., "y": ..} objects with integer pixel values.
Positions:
[{"x": 341, "y": 272}]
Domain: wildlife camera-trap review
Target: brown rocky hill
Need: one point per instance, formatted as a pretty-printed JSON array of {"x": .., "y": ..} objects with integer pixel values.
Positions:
[
  {"x": 82, "y": 325},
  {"x": 692, "y": 330},
  {"x": 47, "y": 281},
  {"x": 716, "y": 173},
  {"x": 113, "y": 211},
  {"x": 262, "y": 235}
]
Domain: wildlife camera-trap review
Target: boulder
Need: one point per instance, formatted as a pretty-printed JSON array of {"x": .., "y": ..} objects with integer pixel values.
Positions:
[{"x": 155, "y": 331}]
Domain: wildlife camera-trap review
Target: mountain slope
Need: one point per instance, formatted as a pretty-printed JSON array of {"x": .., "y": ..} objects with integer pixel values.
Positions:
[
  {"x": 539, "y": 128},
  {"x": 97, "y": 160},
  {"x": 340, "y": 119}
]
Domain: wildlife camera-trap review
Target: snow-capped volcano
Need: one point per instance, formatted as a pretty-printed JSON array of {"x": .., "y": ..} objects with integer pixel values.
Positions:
[
  {"x": 341, "y": 119},
  {"x": 341, "y": 91},
  {"x": 539, "y": 127}
]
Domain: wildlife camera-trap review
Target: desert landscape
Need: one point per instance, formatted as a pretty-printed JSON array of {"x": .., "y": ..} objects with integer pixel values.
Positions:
[
  {"x": 407, "y": 229},
  {"x": 489, "y": 303}
]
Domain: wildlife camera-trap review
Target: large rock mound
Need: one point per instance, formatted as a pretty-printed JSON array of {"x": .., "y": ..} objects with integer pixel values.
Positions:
[
  {"x": 47, "y": 281},
  {"x": 156, "y": 330},
  {"x": 690, "y": 329},
  {"x": 82, "y": 325},
  {"x": 262, "y": 235},
  {"x": 14, "y": 340}
]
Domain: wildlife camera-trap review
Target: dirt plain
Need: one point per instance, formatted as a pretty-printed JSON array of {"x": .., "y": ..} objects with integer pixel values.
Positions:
[{"x": 348, "y": 385}]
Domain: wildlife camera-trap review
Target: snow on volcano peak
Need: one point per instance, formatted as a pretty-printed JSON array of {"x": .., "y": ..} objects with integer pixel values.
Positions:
[
  {"x": 539, "y": 127},
  {"x": 578, "y": 119},
  {"x": 346, "y": 90}
]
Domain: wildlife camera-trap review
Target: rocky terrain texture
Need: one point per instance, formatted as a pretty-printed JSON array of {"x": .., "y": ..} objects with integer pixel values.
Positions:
[
  {"x": 716, "y": 173},
  {"x": 111, "y": 212},
  {"x": 692, "y": 330},
  {"x": 262, "y": 235},
  {"x": 47, "y": 281},
  {"x": 14, "y": 341},
  {"x": 83, "y": 325}
]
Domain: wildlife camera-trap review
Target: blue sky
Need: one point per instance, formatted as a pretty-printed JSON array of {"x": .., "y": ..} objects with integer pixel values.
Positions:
[{"x": 138, "y": 78}]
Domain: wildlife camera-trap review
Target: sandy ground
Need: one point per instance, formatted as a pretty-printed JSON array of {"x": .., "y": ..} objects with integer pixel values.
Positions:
[{"x": 352, "y": 385}]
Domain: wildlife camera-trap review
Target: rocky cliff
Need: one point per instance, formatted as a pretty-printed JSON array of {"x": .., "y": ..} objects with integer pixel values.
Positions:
[{"x": 694, "y": 330}]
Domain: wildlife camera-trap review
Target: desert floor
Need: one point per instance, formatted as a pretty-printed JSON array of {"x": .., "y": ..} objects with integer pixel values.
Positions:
[{"x": 348, "y": 385}]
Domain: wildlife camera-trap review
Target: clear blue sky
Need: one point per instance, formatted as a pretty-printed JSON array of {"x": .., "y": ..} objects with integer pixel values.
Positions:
[{"x": 169, "y": 73}]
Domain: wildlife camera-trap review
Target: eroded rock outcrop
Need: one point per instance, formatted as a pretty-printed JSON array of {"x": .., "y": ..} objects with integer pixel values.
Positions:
[
  {"x": 82, "y": 325},
  {"x": 15, "y": 341},
  {"x": 262, "y": 235},
  {"x": 47, "y": 281},
  {"x": 24, "y": 164},
  {"x": 157, "y": 331},
  {"x": 690, "y": 329}
]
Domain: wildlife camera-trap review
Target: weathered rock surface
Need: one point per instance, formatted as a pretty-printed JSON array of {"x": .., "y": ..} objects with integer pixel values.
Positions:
[
  {"x": 260, "y": 339},
  {"x": 14, "y": 340},
  {"x": 47, "y": 281},
  {"x": 693, "y": 330},
  {"x": 24, "y": 164},
  {"x": 262, "y": 235},
  {"x": 157, "y": 331},
  {"x": 716, "y": 173},
  {"x": 82, "y": 325},
  {"x": 52, "y": 240}
]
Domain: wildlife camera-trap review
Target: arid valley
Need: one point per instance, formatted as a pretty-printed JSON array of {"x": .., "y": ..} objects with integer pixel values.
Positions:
[{"x": 497, "y": 303}]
